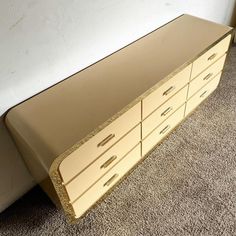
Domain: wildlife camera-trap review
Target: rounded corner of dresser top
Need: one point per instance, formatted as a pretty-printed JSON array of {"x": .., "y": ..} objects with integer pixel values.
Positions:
[
  {"x": 8, "y": 118},
  {"x": 55, "y": 166}
]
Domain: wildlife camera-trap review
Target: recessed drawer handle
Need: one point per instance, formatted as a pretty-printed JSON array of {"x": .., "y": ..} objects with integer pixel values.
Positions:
[
  {"x": 212, "y": 57},
  {"x": 108, "y": 162},
  {"x": 169, "y": 90},
  {"x": 202, "y": 95},
  {"x": 208, "y": 76},
  {"x": 106, "y": 140},
  {"x": 164, "y": 113},
  {"x": 110, "y": 180},
  {"x": 165, "y": 129}
]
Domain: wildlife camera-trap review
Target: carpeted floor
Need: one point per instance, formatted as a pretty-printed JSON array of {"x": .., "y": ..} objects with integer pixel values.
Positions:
[{"x": 187, "y": 186}]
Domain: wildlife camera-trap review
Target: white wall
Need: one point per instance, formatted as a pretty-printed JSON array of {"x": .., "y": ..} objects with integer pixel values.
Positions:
[{"x": 43, "y": 42}]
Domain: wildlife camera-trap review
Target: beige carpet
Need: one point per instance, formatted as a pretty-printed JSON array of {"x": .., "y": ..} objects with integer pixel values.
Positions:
[{"x": 187, "y": 186}]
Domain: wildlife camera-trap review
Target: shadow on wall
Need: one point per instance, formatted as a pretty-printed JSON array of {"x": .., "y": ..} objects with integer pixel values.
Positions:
[
  {"x": 15, "y": 179},
  {"x": 233, "y": 19}
]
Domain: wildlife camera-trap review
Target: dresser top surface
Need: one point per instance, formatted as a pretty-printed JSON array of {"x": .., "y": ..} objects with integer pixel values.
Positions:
[{"x": 64, "y": 114}]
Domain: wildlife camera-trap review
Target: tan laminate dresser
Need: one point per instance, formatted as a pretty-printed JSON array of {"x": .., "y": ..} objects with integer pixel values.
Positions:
[{"x": 80, "y": 137}]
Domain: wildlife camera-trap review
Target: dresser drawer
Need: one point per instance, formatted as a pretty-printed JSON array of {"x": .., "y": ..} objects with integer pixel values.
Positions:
[
  {"x": 164, "y": 111},
  {"x": 160, "y": 132},
  {"x": 106, "y": 182},
  {"x": 206, "y": 76},
  {"x": 98, "y": 168},
  {"x": 89, "y": 151},
  {"x": 165, "y": 91},
  {"x": 209, "y": 57},
  {"x": 202, "y": 94}
]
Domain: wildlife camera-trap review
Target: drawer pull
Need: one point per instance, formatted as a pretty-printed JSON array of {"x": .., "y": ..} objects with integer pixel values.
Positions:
[
  {"x": 165, "y": 129},
  {"x": 202, "y": 95},
  {"x": 110, "y": 180},
  {"x": 169, "y": 90},
  {"x": 212, "y": 57},
  {"x": 106, "y": 140},
  {"x": 108, "y": 162},
  {"x": 208, "y": 76},
  {"x": 164, "y": 113}
]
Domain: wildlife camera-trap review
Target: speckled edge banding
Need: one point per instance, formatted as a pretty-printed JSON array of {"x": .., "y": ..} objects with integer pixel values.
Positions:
[{"x": 54, "y": 173}]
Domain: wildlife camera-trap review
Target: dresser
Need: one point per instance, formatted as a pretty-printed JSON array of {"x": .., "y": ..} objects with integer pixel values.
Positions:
[{"x": 84, "y": 135}]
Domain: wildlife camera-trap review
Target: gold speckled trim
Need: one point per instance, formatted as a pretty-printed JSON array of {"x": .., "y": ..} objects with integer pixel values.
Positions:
[
  {"x": 54, "y": 169},
  {"x": 71, "y": 217}
]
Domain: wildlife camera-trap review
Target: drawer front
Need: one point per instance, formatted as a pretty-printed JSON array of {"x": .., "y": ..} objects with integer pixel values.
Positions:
[
  {"x": 211, "y": 56},
  {"x": 106, "y": 182},
  {"x": 202, "y": 94},
  {"x": 152, "y": 139},
  {"x": 98, "y": 168},
  {"x": 89, "y": 151},
  {"x": 206, "y": 76},
  {"x": 164, "y": 111},
  {"x": 165, "y": 91}
]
